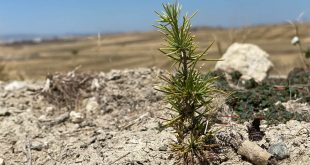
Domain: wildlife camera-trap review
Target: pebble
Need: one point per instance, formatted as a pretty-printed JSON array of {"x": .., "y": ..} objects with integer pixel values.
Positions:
[
  {"x": 88, "y": 142},
  {"x": 22, "y": 106},
  {"x": 163, "y": 148},
  {"x": 92, "y": 105},
  {"x": 108, "y": 109},
  {"x": 49, "y": 109},
  {"x": 114, "y": 75},
  {"x": 15, "y": 85},
  {"x": 279, "y": 150},
  {"x": 76, "y": 117},
  {"x": 79, "y": 160},
  {"x": 95, "y": 84},
  {"x": 2, "y": 161},
  {"x": 4, "y": 112},
  {"x": 143, "y": 129},
  {"x": 43, "y": 118},
  {"x": 4, "y": 94},
  {"x": 36, "y": 145}
]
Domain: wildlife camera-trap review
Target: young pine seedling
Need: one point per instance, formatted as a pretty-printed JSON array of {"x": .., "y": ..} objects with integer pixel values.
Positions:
[{"x": 187, "y": 91}]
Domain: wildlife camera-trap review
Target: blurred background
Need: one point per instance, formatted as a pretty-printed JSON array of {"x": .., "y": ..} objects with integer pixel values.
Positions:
[{"x": 40, "y": 37}]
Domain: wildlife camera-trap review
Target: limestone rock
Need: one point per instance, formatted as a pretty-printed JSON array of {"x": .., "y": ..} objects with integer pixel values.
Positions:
[
  {"x": 38, "y": 146},
  {"x": 15, "y": 85},
  {"x": 250, "y": 60},
  {"x": 76, "y": 117},
  {"x": 163, "y": 148},
  {"x": 1, "y": 161},
  {"x": 279, "y": 150},
  {"x": 92, "y": 105},
  {"x": 4, "y": 112}
]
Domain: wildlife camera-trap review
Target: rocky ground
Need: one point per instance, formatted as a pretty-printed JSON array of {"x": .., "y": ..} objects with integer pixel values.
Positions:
[{"x": 115, "y": 122}]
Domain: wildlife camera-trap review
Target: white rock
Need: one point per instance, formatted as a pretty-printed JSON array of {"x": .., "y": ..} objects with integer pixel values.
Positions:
[
  {"x": 36, "y": 145},
  {"x": 4, "y": 112},
  {"x": 114, "y": 75},
  {"x": 15, "y": 85},
  {"x": 92, "y": 105},
  {"x": 46, "y": 85},
  {"x": 43, "y": 118},
  {"x": 248, "y": 59},
  {"x": 49, "y": 110},
  {"x": 76, "y": 117},
  {"x": 1, "y": 161},
  {"x": 95, "y": 84}
]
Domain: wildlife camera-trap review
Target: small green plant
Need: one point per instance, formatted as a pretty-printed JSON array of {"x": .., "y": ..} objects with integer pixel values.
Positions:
[
  {"x": 259, "y": 99},
  {"x": 188, "y": 92}
]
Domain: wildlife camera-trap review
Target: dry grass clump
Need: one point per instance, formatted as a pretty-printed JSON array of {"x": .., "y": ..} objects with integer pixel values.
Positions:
[
  {"x": 3, "y": 74},
  {"x": 67, "y": 90}
]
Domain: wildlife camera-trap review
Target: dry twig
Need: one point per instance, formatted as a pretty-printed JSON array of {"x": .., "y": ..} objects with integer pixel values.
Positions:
[
  {"x": 28, "y": 151},
  {"x": 119, "y": 158}
]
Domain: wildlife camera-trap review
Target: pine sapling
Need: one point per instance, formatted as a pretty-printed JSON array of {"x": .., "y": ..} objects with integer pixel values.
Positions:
[{"x": 188, "y": 93}]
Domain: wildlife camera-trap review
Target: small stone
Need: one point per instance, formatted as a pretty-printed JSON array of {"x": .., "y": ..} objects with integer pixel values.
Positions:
[
  {"x": 49, "y": 109},
  {"x": 92, "y": 105},
  {"x": 43, "y": 118},
  {"x": 36, "y": 145},
  {"x": 4, "y": 112},
  {"x": 108, "y": 109},
  {"x": 63, "y": 117},
  {"x": 4, "y": 94},
  {"x": 84, "y": 145},
  {"x": 163, "y": 148},
  {"x": 22, "y": 106},
  {"x": 95, "y": 84},
  {"x": 76, "y": 117},
  {"x": 279, "y": 150},
  {"x": 15, "y": 85},
  {"x": 87, "y": 124},
  {"x": 88, "y": 142},
  {"x": 79, "y": 160},
  {"x": 2, "y": 161},
  {"x": 143, "y": 129},
  {"x": 263, "y": 127},
  {"x": 101, "y": 138},
  {"x": 114, "y": 75}
]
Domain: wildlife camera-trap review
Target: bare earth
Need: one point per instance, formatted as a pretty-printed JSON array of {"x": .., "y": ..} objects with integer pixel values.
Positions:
[
  {"x": 116, "y": 124},
  {"x": 131, "y": 50}
]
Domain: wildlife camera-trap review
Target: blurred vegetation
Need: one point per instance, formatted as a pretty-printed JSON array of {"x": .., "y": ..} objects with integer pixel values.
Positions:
[
  {"x": 3, "y": 74},
  {"x": 260, "y": 99}
]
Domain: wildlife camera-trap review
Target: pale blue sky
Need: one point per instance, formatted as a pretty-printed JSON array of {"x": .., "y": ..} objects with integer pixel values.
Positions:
[{"x": 91, "y": 16}]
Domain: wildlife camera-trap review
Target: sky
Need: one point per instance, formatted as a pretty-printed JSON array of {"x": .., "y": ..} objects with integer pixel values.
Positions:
[{"x": 92, "y": 16}]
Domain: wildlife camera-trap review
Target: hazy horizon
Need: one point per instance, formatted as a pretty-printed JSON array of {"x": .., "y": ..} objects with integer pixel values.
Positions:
[{"x": 69, "y": 17}]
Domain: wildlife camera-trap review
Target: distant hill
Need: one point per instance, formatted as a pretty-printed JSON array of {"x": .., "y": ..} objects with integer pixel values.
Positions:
[{"x": 140, "y": 49}]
